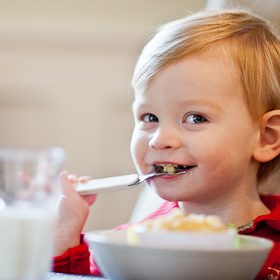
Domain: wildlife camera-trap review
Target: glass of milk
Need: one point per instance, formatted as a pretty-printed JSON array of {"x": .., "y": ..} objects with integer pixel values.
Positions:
[{"x": 28, "y": 188}]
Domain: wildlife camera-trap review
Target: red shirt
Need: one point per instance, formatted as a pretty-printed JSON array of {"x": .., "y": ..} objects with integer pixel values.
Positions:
[{"x": 77, "y": 260}]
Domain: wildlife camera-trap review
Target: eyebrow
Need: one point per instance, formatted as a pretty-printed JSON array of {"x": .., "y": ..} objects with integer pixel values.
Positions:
[
  {"x": 200, "y": 102},
  {"x": 183, "y": 103}
]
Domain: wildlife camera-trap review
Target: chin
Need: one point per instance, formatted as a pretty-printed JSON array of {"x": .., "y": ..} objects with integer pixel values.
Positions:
[{"x": 168, "y": 196}]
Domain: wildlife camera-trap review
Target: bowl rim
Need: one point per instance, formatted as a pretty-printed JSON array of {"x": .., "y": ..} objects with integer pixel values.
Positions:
[{"x": 104, "y": 237}]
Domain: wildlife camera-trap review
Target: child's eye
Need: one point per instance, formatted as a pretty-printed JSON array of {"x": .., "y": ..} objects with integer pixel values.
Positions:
[
  {"x": 147, "y": 118},
  {"x": 195, "y": 118}
]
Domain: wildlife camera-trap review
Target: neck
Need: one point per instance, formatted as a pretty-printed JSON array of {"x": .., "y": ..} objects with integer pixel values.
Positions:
[{"x": 237, "y": 210}]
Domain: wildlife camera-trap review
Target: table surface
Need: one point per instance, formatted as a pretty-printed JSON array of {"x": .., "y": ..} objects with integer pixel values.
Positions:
[{"x": 63, "y": 276}]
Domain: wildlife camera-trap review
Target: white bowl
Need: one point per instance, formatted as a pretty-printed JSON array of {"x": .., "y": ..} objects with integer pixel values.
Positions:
[{"x": 121, "y": 261}]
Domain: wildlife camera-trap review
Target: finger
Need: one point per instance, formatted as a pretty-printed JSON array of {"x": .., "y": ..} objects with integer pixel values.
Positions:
[
  {"x": 63, "y": 178},
  {"x": 66, "y": 184},
  {"x": 73, "y": 178},
  {"x": 84, "y": 179}
]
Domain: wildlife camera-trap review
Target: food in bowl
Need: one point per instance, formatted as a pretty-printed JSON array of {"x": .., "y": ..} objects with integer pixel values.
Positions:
[
  {"x": 177, "y": 230},
  {"x": 177, "y": 221}
]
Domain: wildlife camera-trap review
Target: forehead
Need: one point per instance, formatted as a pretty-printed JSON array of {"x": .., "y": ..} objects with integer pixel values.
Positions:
[
  {"x": 202, "y": 83},
  {"x": 208, "y": 73}
]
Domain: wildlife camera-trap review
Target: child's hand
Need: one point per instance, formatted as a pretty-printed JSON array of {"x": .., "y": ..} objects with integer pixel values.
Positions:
[{"x": 71, "y": 213}]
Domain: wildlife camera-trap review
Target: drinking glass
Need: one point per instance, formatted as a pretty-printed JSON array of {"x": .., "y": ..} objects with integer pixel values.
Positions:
[{"x": 28, "y": 187}]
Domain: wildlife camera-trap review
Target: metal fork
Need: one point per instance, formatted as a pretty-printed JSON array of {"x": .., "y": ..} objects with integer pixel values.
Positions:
[{"x": 142, "y": 178}]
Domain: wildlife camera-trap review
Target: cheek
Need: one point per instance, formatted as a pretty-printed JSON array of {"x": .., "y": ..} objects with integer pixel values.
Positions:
[
  {"x": 138, "y": 148},
  {"x": 224, "y": 161},
  {"x": 212, "y": 154}
]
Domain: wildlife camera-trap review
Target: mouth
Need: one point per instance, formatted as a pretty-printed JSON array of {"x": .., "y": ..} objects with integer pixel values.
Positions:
[{"x": 170, "y": 168}]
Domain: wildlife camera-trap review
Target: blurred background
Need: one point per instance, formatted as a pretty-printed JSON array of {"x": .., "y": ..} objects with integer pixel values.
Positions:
[{"x": 65, "y": 71}]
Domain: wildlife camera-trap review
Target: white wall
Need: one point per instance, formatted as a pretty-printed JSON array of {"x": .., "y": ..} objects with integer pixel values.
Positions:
[{"x": 65, "y": 70}]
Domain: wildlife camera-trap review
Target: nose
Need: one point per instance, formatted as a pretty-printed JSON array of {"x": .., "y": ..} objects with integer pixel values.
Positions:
[{"x": 165, "y": 138}]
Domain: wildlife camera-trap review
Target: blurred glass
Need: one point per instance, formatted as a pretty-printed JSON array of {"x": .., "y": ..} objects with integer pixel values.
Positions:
[{"x": 28, "y": 187}]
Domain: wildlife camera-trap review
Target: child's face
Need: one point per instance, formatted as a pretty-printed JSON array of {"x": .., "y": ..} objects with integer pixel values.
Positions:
[{"x": 193, "y": 114}]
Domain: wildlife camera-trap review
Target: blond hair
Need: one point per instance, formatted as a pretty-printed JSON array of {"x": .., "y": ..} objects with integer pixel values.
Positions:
[{"x": 249, "y": 41}]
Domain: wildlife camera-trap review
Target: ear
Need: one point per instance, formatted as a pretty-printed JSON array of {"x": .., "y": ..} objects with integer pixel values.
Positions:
[{"x": 268, "y": 146}]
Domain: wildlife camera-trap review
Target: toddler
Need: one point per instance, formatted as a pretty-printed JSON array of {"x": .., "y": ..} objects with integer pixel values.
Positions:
[{"x": 207, "y": 100}]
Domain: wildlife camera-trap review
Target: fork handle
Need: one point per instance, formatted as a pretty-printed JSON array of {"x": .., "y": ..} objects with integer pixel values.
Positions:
[{"x": 107, "y": 184}]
